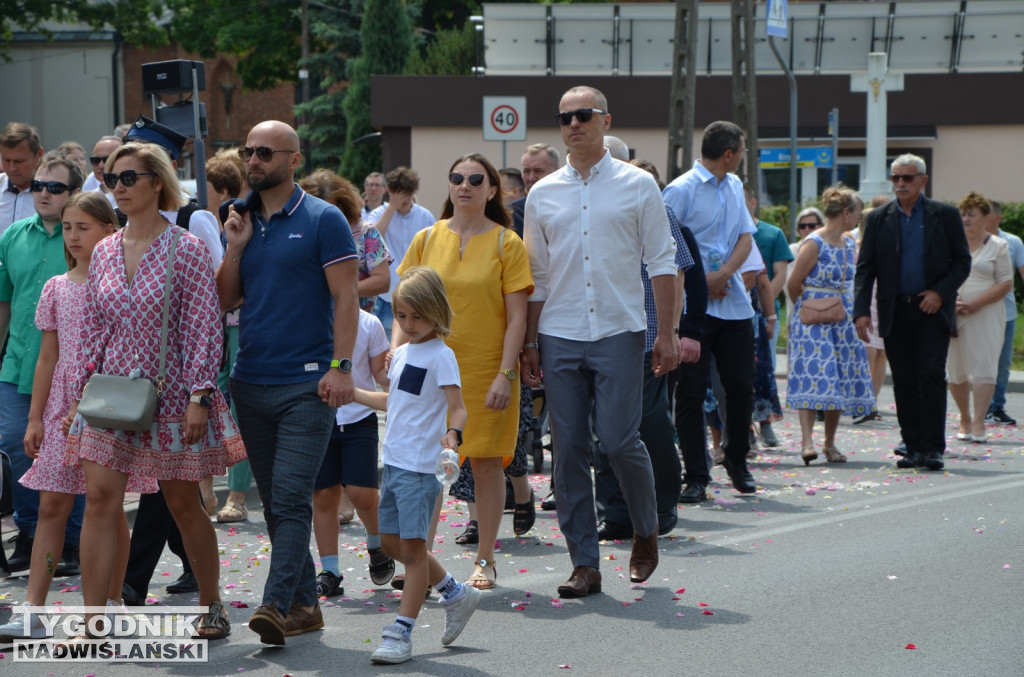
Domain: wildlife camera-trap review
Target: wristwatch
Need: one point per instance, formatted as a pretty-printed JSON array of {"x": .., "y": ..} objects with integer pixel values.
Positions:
[
  {"x": 344, "y": 365},
  {"x": 458, "y": 434},
  {"x": 203, "y": 401},
  {"x": 510, "y": 374}
]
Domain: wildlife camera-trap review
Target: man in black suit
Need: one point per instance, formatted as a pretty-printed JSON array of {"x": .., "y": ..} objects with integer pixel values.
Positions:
[{"x": 916, "y": 250}]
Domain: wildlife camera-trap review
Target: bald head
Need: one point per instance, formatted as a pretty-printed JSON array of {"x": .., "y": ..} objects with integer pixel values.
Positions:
[
  {"x": 273, "y": 149},
  {"x": 280, "y": 131}
]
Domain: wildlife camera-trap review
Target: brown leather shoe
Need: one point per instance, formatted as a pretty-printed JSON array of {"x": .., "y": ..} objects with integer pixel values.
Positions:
[
  {"x": 584, "y": 580},
  {"x": 299, "y": 620},
  {"x": 268, "y": 622},
  {"x": 644, "y": 558}
]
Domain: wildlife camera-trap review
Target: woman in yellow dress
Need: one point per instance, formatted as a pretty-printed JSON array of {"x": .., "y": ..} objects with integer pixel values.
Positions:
[{"x": 486, "y": 273}]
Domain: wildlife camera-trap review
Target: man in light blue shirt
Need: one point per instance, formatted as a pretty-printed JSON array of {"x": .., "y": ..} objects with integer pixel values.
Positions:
[
  {"x": 996, "y": 413},
  {"x": 709, "y": 200}
]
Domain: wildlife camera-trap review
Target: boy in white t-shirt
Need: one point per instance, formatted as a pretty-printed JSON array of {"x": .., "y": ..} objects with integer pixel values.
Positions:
[
  {"x": 351, "y": 462},
  {"x": 425, "y": 389}
]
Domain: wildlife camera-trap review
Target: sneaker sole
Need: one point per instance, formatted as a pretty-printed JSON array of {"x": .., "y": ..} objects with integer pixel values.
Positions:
[
  {"x": 473, "y": 599},
  {"x": 269, "y": 631},
  {"x": 390, "y": 660}
]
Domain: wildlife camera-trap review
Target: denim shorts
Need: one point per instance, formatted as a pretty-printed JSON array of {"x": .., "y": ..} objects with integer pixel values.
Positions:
[
  {"x": 351, "y": 456},
  {"x": 407, "y": 502}
]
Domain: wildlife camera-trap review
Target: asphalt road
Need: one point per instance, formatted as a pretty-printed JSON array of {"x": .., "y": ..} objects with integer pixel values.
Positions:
[{"x": 830, "y": 569}]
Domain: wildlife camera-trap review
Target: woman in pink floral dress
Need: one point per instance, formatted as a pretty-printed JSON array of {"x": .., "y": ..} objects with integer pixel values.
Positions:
[
  {"x": 86, "y": 219},
  {"x": 193, "y": 433}
]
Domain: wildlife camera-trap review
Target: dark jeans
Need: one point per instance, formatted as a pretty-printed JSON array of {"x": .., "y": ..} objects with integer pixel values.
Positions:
[
  {"x": 732, "y": 344},
  {"x": 916, "y": 348},
  {"x": 658, "y": 435}
]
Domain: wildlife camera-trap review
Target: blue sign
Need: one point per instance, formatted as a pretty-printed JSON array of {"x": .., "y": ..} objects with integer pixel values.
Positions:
[
  {"x": 814, "y": 156},
  {"x": 777, "y": 19}
]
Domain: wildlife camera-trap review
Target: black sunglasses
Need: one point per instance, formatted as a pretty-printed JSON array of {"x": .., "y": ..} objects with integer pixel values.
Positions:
[
  {"x": 264, "y": 153},
  {"x": 814, "y": 224},
  {"x": 583, "y": 115},
  {"x": 52, "y": 187},
  {"x": 98, "y": 159},
  {"x": 474, "y": 179},
  {"x": 127, "y": 178},
  {"x": 895, "y": 178}
]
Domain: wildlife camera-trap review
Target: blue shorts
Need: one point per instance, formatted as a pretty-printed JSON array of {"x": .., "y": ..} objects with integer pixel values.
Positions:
[
  {"x": 351, "y": 456},
  {"x": 407, "y": 501}
]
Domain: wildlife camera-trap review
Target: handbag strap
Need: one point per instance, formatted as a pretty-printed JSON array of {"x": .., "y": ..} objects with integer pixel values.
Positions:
[{"x": 166, "y": 312}]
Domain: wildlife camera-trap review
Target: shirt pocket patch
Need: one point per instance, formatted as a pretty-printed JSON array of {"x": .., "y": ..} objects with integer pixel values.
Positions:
[{"x": 412, "y": 378}]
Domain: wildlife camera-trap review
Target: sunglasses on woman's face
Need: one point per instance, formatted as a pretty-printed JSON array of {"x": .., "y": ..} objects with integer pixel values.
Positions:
[
  {"x": 808, "y": 226},
  {"x": 127, "y": 178},
  {"x": 456, "y": 179}
]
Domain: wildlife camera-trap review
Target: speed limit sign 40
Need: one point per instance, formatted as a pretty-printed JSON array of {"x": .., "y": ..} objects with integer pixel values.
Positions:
[{"x": 504, "y": 118}]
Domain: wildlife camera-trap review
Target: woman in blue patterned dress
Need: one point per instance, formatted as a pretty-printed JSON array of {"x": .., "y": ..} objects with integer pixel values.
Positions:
[{"x": 828, "y": 365}]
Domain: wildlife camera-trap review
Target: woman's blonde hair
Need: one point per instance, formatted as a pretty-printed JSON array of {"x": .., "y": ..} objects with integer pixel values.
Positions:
[
  {"x": 96, "y": 205},
  {"x": 837, "y": 198},
  {"x": 153, "y": 159},
  {"x": 421, "y": 290}
]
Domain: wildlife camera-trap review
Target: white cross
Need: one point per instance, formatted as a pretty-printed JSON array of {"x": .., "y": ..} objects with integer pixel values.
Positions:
[{"x": 877, "y": 80}]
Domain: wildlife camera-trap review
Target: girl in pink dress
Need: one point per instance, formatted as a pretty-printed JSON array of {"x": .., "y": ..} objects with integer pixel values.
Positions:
[
  {"x": 87, "y": 218},
  {"x": 193, "y": 433}
]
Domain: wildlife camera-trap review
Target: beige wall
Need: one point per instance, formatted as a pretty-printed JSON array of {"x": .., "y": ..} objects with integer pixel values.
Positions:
[{"x": 989, "y": 159}]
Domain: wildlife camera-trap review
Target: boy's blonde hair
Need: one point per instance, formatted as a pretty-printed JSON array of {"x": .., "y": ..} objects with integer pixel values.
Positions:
[{"x": 422, "y": 291}]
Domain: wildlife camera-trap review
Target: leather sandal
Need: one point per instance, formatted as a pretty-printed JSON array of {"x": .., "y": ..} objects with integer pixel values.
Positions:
[
  {"x": 808, "y": 454},
  {"x": 232, "y": 512},
  {"x": 214, "y": 624},
  {"x": 833, "y": 455},
  {"x": 480, "y": 580},
  {"x": 524, "y": 516},
  {"x": 471, "y": 536}
]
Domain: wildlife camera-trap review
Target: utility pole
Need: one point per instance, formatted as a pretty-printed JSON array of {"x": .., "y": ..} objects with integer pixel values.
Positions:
[
  {"x": 304, "y": 77},
  {"x": 683, "y": 90},
  {"x": 744, "y": 86}
]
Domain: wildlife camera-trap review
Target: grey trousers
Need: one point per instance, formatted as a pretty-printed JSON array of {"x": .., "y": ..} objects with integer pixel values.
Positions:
[{"x": 606, "y": 374}]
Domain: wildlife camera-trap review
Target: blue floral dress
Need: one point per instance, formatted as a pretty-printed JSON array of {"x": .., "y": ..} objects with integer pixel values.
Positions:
[{"x": 828, "y": 364}]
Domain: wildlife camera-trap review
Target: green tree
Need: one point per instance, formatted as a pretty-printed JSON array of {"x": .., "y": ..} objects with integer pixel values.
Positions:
[
  {"x": 136, "y": 20},
  {"x": 263, "y": 34},
  {"x": 334, "y": 24},
  {"x": 387, "y": 41},
  {"x": 452, "y": 51}
]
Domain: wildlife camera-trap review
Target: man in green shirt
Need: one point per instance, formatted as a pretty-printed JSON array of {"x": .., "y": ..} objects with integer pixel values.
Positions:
[{"x": 31, "y": 252}]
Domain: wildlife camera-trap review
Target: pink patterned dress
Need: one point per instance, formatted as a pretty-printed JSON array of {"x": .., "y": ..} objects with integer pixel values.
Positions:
[
  {"x": 60, "y": 309},
  {"x": 121, "y": 332}
]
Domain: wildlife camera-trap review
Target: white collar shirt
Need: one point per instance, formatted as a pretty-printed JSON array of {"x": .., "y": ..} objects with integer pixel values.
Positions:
[
  {"x": 15, "y": 204},
  {"x": 586, "y": 238},
  {"x": 716, "y": 213},
  {"x": 401, "y": 231}
]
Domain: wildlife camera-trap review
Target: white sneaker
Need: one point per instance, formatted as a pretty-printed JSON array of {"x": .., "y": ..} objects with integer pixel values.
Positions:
[
  {"x": 15, "y": 628},
  {"x": 457, "y": 613},
  {"x": 396, "y": 647}
]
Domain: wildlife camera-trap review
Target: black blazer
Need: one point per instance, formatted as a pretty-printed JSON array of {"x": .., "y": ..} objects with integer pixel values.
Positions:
[{"x": 947, "y": 260}]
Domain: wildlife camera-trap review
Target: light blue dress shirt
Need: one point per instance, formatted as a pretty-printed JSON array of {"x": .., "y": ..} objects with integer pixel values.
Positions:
[{"x": 716, "y": 212}]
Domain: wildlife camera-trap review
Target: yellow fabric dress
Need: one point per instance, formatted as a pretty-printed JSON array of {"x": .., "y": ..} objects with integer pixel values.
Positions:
[{"x": 476, "y": 284}]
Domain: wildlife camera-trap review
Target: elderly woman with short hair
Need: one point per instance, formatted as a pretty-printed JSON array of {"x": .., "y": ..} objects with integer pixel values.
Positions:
[{"x": 972, "y": 364}]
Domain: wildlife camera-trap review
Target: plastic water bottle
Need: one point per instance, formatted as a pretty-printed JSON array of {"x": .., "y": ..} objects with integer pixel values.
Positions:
[
  {"x": 447, "y": 469},
  {"x": 714, "y": 260}
]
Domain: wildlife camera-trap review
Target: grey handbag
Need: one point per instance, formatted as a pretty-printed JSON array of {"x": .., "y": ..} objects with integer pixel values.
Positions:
[{"x": 123, "y": 402}]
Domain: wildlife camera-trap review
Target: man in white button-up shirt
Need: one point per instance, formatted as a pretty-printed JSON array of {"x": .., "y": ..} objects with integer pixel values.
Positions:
[
  {"x": 587, "y": 227},
  {"x": 709, "y": 199}
]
